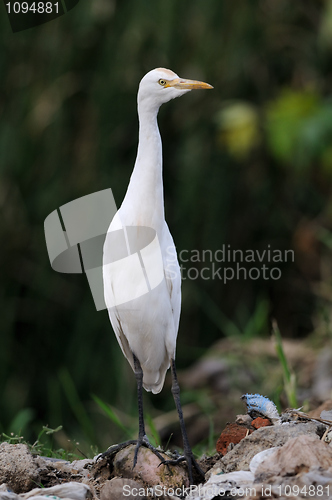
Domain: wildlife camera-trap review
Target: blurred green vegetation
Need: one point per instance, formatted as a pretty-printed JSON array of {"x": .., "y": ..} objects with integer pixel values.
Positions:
[{"x": 248, "y": 164}]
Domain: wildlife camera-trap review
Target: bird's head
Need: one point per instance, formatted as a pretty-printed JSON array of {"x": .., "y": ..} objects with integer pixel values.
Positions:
[{"x": 161, "y": 85}]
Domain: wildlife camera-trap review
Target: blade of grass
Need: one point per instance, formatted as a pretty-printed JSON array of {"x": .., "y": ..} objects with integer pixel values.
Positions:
[
  {"x": 168, "y": 441},
  {"x": 289, "y": 376},
  {"x": 111, "y": 415},
  {"x": 153, "y": 430},
  {"x": 22, "y": 420}
]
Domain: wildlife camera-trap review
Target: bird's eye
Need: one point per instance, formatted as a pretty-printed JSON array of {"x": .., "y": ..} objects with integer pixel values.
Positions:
[{"x": 162, "y": 82}]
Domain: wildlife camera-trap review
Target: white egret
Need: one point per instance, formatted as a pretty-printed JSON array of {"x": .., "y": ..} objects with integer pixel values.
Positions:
[{"x": 146, "y": 327}]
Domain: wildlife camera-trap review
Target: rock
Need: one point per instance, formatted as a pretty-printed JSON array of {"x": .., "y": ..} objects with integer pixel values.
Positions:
[
  {"x": 52, "y": 471},
  {"x": 66, "y": 491},
  {"x": 21, "y": 471},
  {"x": 231, "y": 485},
  {"x": 72, "y": 490},
  {"x": 235, "y": 432},
  {"x": 316, "y": 413},
  {"x": 147, "y": 468},
  {"x": 259, "y": 422},
  {"x": 17, "y": 467},
  {"x": 244, "y": 420},
  {"x": 120, "y": 488},
  {"x": 315, "y": 484},
  {"x": 7, "y": 494},
  {"x": 326, "y": 415},
  {"x": 299, "y": 469},
  {"x": 266, "y": 437},
  {"x": 298, "y": 454},
  {"x": 259, "y": 458},
  {"x": 322, "y": 383},
  {"x": 81, "y": 466},
  {"x": 232, "y": 434}
]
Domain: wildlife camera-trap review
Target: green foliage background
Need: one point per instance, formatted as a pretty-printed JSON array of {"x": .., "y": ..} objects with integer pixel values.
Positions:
[{"x": 248, "y": 164}]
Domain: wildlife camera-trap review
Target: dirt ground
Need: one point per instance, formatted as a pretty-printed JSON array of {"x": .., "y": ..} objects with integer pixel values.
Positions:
[{"x": 289, "y": 458}]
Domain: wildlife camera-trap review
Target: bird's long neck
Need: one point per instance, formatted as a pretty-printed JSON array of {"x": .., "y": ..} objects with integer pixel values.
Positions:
[{"x": 145, "y": 190}]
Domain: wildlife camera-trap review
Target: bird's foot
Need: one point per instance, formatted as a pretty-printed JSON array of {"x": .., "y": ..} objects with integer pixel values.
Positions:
[
  {"x": 192, "y": 465},
  {"x": 141, "y": 441},
  {"x": 113, "y": 450}
]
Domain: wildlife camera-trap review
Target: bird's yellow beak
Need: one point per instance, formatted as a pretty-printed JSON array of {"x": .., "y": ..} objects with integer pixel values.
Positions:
[{"x": 182, "y": 84}]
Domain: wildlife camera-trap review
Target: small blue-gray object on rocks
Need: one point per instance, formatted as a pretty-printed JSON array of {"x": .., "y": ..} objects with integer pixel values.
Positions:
[{"x": 258, "y": 405}]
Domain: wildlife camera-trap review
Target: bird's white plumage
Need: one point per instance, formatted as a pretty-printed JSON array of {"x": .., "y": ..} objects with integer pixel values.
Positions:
[{"x": 148, "y": 324}]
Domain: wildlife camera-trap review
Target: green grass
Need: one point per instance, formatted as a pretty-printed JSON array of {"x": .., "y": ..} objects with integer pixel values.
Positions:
[
  {"x": 43, "y": 445},
  {"x": 110, "y": 413},
  {"x": 288, "y": 375}
]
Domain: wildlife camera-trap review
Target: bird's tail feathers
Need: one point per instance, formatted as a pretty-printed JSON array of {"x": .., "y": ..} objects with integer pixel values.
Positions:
[{"x": 153, "y": 382}]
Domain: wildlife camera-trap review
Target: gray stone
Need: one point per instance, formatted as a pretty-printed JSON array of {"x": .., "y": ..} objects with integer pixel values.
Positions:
[
  {"x": 148, "y": 468},
  {"x": 17, "y": 467},
  {"x": 266, "y": 437}
]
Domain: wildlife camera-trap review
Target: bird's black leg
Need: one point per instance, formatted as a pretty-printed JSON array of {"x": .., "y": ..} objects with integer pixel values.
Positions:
[
  {"x": 139, "y": 381},
  {"x": 188, "y": 454},
  {"x": 142, "y": 438},
  {"x": 141, "y": 426}
]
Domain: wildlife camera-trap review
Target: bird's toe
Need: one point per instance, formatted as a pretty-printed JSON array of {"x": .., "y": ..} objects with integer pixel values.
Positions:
[{"x": 191, "y": 465}]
